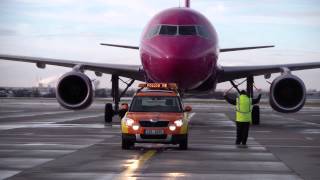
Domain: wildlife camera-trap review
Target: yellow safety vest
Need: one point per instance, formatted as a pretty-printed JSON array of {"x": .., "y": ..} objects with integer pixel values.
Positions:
[{"x": 243, "y": 108}]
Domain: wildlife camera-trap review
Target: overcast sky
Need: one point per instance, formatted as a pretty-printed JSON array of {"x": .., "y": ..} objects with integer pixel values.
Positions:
[{"x": 73, "y": 29}]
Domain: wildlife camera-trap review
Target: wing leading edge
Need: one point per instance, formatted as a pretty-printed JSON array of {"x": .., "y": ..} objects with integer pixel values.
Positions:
[
  {"x": 244, "y": 48},
  {"x": 228, "y": 73},
  {"x": 129, "y": 71},
  {"x": 221, "y": 50}
]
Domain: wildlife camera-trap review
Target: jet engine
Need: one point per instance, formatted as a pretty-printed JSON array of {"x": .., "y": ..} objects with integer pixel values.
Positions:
[
  {"x": 287, "y": 93},
  {"x": 74, "y": 91}
]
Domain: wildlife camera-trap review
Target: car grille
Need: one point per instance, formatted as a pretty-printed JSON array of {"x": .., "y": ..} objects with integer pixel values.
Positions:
[
  {"x": 154, "y": 124},
  {"x": 143, "y": 136}
]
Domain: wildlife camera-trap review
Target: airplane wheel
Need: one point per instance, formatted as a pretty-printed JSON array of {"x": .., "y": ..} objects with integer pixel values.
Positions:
[
  {"x": 108, "y": 113},
  {"x": 256, "y": 115},
  {"x": 183, "y": 145}
]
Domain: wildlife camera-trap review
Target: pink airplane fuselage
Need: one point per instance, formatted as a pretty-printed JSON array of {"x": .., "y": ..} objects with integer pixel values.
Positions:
[{"x": 188, "y": 60}]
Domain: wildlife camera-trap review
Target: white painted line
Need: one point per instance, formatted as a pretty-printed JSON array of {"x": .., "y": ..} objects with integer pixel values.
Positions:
[
  {"x": 6, "y": 174},
  {"x": 11, "y": 111},
  {"x": 53, "y": 124},
  {"x": 237, "y": 176},
  {"x": 22, "y": 163},
  {"x": 309, "y": 138},
  {"x": 34, "y": 114},
  {"x": 284, "y": 146}
]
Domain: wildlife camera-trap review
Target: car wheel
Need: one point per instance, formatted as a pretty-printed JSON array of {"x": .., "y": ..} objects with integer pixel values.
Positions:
[
  {"x": 256, "y": 115},
  {"x": 108, "y": 113}
]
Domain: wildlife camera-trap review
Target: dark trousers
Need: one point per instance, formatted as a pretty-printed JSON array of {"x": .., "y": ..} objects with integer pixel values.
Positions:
[{"x": 242, "y": 132}]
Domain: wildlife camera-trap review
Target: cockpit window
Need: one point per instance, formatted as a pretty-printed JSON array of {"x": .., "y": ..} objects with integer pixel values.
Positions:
[
  {"x": 182, "y": 30},
  {"x": 203, "y": 31},
  {"x": 168, "y": 30},
  {"x": 153, "y": 31},
  {"x": 187, "y": 30}
]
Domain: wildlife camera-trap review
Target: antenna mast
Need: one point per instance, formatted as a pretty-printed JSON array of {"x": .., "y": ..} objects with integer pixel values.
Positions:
[{"x": 187, "y": 3}]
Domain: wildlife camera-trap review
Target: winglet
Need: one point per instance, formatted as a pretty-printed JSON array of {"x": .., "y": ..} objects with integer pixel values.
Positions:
[
  {"x": 121, "y": 46},
  {"x": 244, "y": 48}
]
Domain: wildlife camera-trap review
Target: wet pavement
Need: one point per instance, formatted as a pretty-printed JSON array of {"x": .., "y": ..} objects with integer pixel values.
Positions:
[{"x": 40, "y": 140}]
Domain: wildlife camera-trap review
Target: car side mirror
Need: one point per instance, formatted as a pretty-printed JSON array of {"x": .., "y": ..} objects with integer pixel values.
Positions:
[{"x": 187, "y": 109}]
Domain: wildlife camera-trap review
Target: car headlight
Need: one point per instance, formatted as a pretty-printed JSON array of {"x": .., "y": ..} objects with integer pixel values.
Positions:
[
  {"x": 178, "y": 122},
  {"x": 128, "y": 121},
  {"x": 135, "y": 127},
  {"x": 172, "y": 127}
]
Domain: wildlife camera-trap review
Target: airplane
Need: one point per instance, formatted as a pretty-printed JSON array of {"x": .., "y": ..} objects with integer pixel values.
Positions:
[{"x": 178, "y": 45}]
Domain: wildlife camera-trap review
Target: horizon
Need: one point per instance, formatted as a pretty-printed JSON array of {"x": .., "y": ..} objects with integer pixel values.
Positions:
[{"x": 71, "y": 29}]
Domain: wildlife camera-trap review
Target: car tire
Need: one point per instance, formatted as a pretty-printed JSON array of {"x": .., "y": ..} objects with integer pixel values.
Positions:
[
  {"x": 108, "y": 113},
  {"x": 256, "y": 115},
  {"x": 183, "y": 144}
]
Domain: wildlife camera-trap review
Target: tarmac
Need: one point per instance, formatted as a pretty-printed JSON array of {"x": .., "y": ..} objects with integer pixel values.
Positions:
[{"x": 41, "y": 140}]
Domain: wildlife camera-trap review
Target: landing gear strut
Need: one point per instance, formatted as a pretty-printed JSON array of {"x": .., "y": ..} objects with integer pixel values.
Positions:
[
  {"x": 116, "y": 95},
  {"x": 255, "y": 109}
]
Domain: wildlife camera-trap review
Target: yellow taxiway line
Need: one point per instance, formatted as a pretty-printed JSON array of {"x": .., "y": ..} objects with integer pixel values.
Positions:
[{"x": 134, "y": 164}]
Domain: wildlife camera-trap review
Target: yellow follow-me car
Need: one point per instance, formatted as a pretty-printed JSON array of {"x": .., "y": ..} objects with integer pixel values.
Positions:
[{"x": 156, "y": 115}]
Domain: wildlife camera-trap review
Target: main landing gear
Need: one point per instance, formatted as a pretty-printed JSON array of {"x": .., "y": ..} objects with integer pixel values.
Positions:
[
  {"x": 255, "y": 109},
  {"x": 255, "y": 101},
  {"x": 116, "y": 95}
]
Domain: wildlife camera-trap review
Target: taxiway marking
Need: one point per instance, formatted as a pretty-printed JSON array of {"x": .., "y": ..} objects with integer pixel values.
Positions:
[
  {"x": 34, "y": 114},
  {"x": 136, "y": 164}
]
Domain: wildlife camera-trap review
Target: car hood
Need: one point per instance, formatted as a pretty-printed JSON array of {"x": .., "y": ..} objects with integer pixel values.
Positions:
[{"x": 155, "y": 116}]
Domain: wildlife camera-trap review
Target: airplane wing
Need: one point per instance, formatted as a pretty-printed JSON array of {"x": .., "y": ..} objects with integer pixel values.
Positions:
[
  {"x": 121, "y": 46},
  {"x": 228, "y": 73},
  {"x": 244, "y": 48},
  {"x": 129, "y": 71},
  {"x": 221, "y": 50}
]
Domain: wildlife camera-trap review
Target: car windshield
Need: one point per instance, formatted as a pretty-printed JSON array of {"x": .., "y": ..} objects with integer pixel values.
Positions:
[{"x": 156, "y": 104}]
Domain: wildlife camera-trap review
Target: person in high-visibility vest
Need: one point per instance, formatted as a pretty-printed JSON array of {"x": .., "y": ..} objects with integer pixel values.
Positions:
[{"x": 243, "y": 115}]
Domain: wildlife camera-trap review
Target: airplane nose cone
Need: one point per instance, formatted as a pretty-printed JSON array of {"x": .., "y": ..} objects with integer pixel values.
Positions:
[{"x": 178, "y": 62}]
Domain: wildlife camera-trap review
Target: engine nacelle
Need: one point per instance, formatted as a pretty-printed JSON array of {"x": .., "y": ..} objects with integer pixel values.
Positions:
[
  {"x": 74, "y": 91},
  {"x": 287, "y": 94}
]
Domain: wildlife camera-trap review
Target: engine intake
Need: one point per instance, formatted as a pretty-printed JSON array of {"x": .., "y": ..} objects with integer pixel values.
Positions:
[
  {"x": 74, "y": 91},
  {"x": 287, "y": 94}
]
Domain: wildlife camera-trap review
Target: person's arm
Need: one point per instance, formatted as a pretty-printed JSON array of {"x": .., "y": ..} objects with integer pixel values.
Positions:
[
  {"x": 256, "y": 100},
  {"x": 230, "y": 100}
]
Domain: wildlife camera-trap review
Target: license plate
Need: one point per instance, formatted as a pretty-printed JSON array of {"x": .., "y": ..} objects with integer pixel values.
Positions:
[{"x": 154, "y": 131}]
